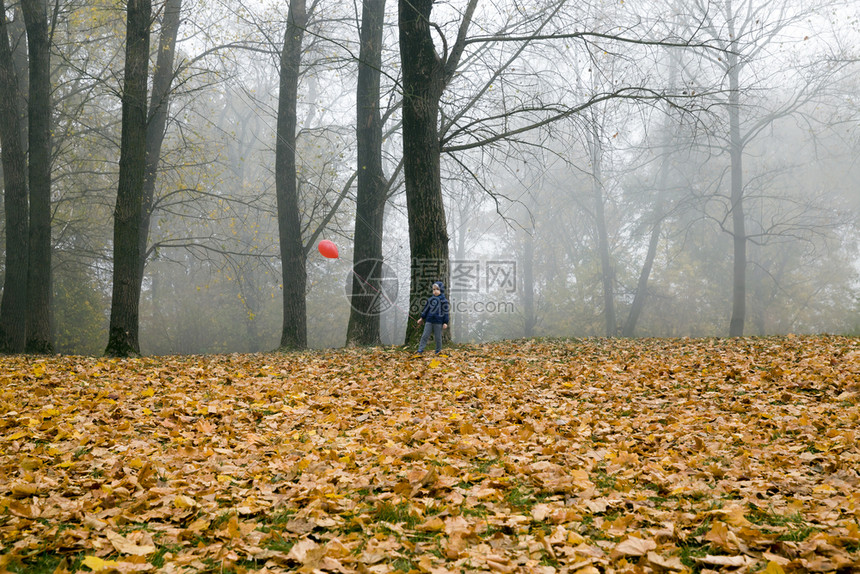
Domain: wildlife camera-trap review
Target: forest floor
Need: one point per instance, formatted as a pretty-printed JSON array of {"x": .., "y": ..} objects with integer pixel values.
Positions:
[{"x": 580, "y": 456}]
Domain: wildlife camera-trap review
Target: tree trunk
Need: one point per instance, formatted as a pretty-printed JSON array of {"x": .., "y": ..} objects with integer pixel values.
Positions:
[
  {"x": 367, "y": 288},
  {"x": 422, "y": 88},
  {"x": 654, "y": 240},
  {"x": 157, "y": 125},
  {"x": 20, "y": 62},
  {"x": 662, "y": 183},
  {"x": 294, "y": 331},
  {"x": 123, "y": 337},
  {"x": 13, "y": 309},
  {"x": 739, "y": 238},
  {"x": 529, "y": 314},
  {"x": 606, "y": 270},
  {"x": 39, "y": 137}
]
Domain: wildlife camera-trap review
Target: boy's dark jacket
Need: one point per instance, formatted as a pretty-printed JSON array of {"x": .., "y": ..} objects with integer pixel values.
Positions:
[{"x": 436, "y": 309}]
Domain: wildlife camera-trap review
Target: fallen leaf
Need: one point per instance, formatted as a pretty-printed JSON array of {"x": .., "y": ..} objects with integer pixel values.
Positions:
[
  {"x": 634, "y": 547},
  {"x": 97, "y": 564},
  {"x": 124, "y": 546}
]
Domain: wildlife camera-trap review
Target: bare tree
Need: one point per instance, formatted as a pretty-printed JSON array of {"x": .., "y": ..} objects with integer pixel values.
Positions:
[
  {"x": 159, "y": 107},
  {"x": 425, "y": 76},
  {"x": 748, "y": 35},
  {"x": 657, "y": 214}
]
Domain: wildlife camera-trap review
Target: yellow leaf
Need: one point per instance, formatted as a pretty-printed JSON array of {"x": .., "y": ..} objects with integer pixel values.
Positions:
[
  {"x": 434, "y": 524},
  {"x": 182, "y": 501},
  {"x": 24, "y": 489},
  {"x": 199, "y": 525},
  {"x": 97, "y": 564},
  {"x": 773, "y": 568},
  {"x": 148, "y": 392}
]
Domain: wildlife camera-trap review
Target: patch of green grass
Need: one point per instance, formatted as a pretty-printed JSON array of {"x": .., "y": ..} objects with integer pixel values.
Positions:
[
  {"x": 485, "y": 465},
  {"x": 278, "y": 543},
  {"x": 764, "y": 517},
  {"x": 221, "y": 520},
  {"x": 518, "y": 498},
  {"x": 798, "y": 534},
  {"x": 403, "y": 564},
  {"x": 45, "y": 563},
  {"x": 689, "y": 554},
  {"x": 395, "y": 514},
  {"x": 479, "y": 511},
  {"x": 603, "y": 480},
  {"x": 703, "y": 528},
  {"x": 157, "y": 559},
  {"x": 547, "y": 560},
  {"x": 82, "y": 451},
  {"x": 280, "y": 518}
]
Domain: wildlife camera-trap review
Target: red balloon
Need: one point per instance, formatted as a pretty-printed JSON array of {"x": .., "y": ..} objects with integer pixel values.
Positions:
[{"x": 327, "y": 249}]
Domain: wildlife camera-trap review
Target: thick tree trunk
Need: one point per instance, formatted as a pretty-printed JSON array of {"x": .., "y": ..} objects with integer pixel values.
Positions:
[
  {"x": 13, "y": 309},
  {"x": 423, "y": 83},
  {"x": 367, "y": 288},
  {"x": 158, "y": 107},
  {"x": 123, "y": 336},
  {"x": 294, "y": 331},
  {"x": 20, "y": 61},
  {"x": 739, "y": 237},
  {"x": 39, "y": 136}
]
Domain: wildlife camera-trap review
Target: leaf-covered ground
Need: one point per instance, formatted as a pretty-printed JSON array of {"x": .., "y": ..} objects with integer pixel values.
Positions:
[{"x": 532, "y": 456}]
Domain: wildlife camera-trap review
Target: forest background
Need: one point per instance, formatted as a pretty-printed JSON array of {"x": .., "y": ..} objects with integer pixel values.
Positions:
[{"x": 590, "y": 155}]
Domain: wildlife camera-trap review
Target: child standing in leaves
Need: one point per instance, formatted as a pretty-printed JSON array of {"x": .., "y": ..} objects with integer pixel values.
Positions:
[{"x": 436, "y": 316}]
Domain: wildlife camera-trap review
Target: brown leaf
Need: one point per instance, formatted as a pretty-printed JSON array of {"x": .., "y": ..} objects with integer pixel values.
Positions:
[
  {"x": 306, "y": 552},
  {"x": 671, "y": 563},
  {"x": 125, "y": 546},
  {"x": 634, "y": 547}
]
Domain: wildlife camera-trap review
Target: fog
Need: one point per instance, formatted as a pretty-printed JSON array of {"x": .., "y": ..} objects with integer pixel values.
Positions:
[{"x": 592, "y": 186}]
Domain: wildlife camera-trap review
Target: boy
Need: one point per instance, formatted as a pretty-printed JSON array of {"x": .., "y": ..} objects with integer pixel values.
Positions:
[{"x": 436, "y": 316}]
